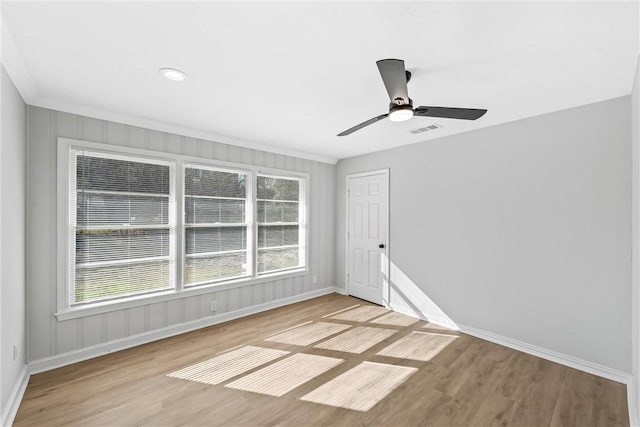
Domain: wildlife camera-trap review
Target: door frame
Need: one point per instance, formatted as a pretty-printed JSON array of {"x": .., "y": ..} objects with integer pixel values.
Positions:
[{"x": 386, "y": 289}]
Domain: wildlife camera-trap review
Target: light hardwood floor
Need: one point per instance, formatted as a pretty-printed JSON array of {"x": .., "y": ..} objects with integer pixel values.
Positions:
[{"x": 423, "y": 376}]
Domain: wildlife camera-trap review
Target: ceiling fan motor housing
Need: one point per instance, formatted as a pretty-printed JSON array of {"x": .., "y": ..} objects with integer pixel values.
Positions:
[
  {"x": 395, "y": 77},
  {"x": 393, "y": 106}
]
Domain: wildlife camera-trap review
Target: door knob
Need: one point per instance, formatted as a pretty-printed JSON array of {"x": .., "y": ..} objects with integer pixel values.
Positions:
[{"x": 381, "y": 245}]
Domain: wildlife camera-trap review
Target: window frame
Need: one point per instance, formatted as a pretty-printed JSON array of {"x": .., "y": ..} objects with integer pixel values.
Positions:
[
  {"x": 73, "y": 153},
  {"x": 249, "y": 220},
  {"x": 179, "y": 162},
  {"x": 301, "y": 223}
]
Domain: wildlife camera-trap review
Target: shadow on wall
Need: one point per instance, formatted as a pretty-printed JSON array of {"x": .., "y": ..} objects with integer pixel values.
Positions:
[{"x": 405, "y": 297}]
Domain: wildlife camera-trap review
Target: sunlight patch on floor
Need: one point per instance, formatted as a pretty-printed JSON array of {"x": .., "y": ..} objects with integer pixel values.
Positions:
[
  {"x": 285, "y": 375},
  {"x": 308, "y": 334},
  {"x": 357, "y": 340},
  {"x": 422, "y": 346},
  {"x": 293, "y": 327},
  {"x": 228, "y": 365},
  {"x": 395, "y": 319},
  {"x": 340, "y": 311},
  {"x": 361, "y": 314},
  {"x": 439, "y": 328},
  {"x": 362, "y": 387}
]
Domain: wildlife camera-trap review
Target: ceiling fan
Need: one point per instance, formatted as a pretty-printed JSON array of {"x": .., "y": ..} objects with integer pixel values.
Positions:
[{"x": 395, "y": 79}]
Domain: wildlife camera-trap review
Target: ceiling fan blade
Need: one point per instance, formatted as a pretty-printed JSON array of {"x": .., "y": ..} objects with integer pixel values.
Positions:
[
  {"x": 449, "y": 112},
  {"x": 395, "y": 79},
  {"x": 363, "y": 124}
]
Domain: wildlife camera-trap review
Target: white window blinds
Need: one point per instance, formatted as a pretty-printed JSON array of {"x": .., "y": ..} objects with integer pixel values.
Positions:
[
  {"x": 280, "y": 224},
  {"x": 122, "y": 226},
  {"x": 216, "y": 225},
  {"x": 141, "y": 225}
]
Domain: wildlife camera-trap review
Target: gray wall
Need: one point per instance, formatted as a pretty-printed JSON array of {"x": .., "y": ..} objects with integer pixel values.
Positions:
[
  {"x": 13, "y": 179},
  {"x": 47, "y": 336},
  {"x": 520, "y": 229},
  {"x": 635, "y": 300}
]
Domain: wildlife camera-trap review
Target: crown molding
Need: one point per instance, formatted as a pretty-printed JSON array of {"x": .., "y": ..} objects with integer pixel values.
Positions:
[{"x": 15, "y": 66}]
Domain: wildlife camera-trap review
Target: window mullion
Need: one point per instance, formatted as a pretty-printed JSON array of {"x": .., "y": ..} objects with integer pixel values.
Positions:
[
  {"x": 253, "y": 224},
  {"x": 71, "y": 236},
  {"x": 109, "y": 218},
  {"x": 179, "y": 227}
]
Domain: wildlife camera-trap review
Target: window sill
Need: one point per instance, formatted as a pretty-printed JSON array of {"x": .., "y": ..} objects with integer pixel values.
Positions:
[{"x": 142, "y": 300}]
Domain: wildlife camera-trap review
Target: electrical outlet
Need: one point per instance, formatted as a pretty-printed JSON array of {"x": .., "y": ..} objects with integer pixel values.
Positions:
[
  {"x": 214, "y": 306},
  {"x": 15, "y": 352}
]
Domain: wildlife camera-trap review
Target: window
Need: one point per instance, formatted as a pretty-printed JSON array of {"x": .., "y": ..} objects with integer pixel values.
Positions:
[
  {"x": 121, "y": 227},
  {"x": 137, "y": 224},
  {"x": 216, "y": 225},
  {"x": 280, "y": 224}
]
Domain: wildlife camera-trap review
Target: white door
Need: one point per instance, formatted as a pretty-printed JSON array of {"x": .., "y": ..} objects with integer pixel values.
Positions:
[{"x": 367, "y": 204}]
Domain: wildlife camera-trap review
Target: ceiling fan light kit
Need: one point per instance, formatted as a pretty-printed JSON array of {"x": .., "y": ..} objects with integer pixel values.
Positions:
[
  {"x": 395, "y": 78},
  {"x": 400, "y": 113}
]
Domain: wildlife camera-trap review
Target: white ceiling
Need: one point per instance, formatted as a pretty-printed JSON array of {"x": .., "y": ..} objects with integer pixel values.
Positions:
[{"x": 290, "y": 76}]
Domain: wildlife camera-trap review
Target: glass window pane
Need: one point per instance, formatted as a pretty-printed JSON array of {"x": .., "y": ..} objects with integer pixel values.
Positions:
[
  {"x": 99, "y": 283},
  {"x": 121, "y": 209},
  {"x": 270, "y": 188},
  {"x": 277, "y": 259},
  {"x": 215, "y": 267},
  {"x": 98, "y": 173},
  {"x": 103, "y": 202},
  {"x": 205, "y": 182},
  {"x": 114, "y": 245},
  {"x": 278, "y": 211},
  {"x": 277, "y": 235},
  {"x": 207, "y": 211},
  {"x": 215, "y": 239}
]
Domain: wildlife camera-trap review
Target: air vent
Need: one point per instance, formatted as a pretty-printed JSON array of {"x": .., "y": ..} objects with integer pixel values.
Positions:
[{"x": 426, "y": 128}]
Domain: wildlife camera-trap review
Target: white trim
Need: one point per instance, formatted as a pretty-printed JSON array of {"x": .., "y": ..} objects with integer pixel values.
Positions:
[
  {"x": 64, "y": 252},
  {"x": 554, "y": 356},
  {"x": 447, "y": 323},
  {"x": 112, "y": 149},
  {"x": 68, "y": 358},
  {"x": 177, "y": 163},
  {"x": 17, "y": 70},
  {"x": 67, "y": 226},
  {"x": 387, "y": 173},
  {"x": 176, "y": 129},
  {"x": 534, "y": 350},
  {"x": 368, "y": 173},
  {"x": 303, "y": 201},
  {"x": 146, "y": 299},
  {"x": 15, "y": 66},
  {"x": 634, "y": 420},
  {"x": 48, "y": 363},
  {"x": 15, "y": 398}
]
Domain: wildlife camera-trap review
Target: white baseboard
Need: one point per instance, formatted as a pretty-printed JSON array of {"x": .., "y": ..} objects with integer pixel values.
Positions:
[
  {"x": 75, "y": 356},
  {"x": 341, "y": 291},
  {"x": 9, "y": 413},
  {"x": 438, "y": 321},
  {"x": 64, "y": 359},
  {"x": 634, "y": 419},
  {"x": 554, "y": 356}
]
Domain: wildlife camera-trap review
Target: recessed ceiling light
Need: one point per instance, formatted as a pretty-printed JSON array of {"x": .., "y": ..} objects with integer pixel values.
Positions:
[{"x": 173, "y": 74}]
